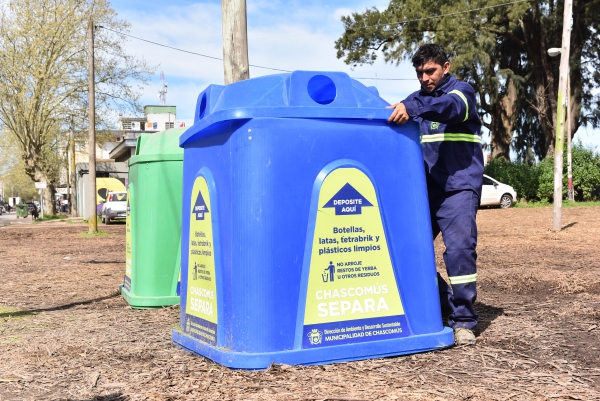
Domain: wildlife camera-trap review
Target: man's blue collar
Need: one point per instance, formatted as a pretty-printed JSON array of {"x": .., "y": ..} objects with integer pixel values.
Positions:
[{"x": 445, "y": 84}]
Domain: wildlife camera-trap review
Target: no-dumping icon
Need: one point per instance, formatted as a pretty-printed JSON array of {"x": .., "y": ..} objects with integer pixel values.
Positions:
[{"x": 348, "y": 201}]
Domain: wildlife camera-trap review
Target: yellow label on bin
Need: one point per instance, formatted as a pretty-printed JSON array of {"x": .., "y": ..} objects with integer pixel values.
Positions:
[
  {"x": 128, "y": 244},
  {"x": 352, "y": 294},
  {"x": 201, "y": 303}
]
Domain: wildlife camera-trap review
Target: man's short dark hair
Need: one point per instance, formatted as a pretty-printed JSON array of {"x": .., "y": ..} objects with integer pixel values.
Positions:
[{"x": 429, "y": 52}]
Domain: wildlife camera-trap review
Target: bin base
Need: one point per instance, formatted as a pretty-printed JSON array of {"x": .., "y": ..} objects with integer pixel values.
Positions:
[
  {"x": 139, "y": 302},
  {"x": 318, "y": 356}
]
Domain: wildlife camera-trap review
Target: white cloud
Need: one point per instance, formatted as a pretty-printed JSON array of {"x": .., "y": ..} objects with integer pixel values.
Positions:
[{"x": 342, "y": 12}]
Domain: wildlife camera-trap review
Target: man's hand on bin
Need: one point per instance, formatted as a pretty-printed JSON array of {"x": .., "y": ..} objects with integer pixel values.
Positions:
[{"x": 399, "y": 116}]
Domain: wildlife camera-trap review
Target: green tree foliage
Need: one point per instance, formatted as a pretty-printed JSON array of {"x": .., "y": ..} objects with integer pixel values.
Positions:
[
  {"x": 545, "y": 190},
  {"x": 500, "y": 48},
  {"x": 12, "y": 172},
  {"x": 17, "y": 183},
  {"x": 586, "y": 174},
  {"x": 43, "y": 76}
]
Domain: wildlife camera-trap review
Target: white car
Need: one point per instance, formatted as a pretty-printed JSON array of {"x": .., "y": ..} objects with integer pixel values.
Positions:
[
  {"x": 115, "y": 207},
  {"x": 496, "y": 193}
]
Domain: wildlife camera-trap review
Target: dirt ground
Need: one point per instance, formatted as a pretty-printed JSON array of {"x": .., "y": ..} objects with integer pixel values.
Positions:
[{"x": 65, "y": 333}]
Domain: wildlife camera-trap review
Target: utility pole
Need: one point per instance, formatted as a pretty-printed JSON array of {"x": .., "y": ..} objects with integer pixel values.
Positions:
[
  {"x": 235, "y": 41},
  {"x": 560, "y": 116},
  {"x": 68, "y": 194},
  {"x": 93, "y": 221},
  {"x": 72, "y": 180},
  {"x": 570, "y": 192}
]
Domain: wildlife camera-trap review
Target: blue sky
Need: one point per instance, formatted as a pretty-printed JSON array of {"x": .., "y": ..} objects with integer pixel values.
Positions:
[{"x": 289, "y": 35}]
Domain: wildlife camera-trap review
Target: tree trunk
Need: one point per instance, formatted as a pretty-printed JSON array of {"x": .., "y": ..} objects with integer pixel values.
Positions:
[
  {"x": 31, "y": 159},
  {"x": 49, "y": 199},
  {"x": 503, "y": 121},
  {"x": 72, "y": 178},
  {"x": 575, "y": 75},
  {"x": 544, "y": 101},
  {"x": 500, "y": 146}
]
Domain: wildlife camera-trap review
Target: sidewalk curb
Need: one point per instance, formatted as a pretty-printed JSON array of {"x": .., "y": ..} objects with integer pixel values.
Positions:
[{"x": 28, "y": 221}]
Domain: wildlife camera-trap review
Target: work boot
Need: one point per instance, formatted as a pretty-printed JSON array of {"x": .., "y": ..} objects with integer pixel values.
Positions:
[{"x": 464, "y": 336}]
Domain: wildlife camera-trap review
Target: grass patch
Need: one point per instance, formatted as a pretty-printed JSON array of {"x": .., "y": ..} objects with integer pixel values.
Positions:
[
  {"x": 9, "y": 340},
  {"x": 53, "y": 217},
  {"x": 545, "y": 202},
  {"x": 5, "y": 311},
  {"x": 50, "y": 217},
  {"x": 70, "y": 221},
  {"x": 577, "y": 204},
  {"x": 9, "y": 313},
  {"x": 530, "y": 204},
  {"x": 99, "y": 233}
]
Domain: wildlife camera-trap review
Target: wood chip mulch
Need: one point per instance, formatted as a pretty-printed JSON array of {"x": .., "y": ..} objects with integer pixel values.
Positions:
[{"x": 66, "y": 334}]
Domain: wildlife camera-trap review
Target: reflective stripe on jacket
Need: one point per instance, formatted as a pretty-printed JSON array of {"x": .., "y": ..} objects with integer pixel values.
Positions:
[{"x": 450, "y": 134}]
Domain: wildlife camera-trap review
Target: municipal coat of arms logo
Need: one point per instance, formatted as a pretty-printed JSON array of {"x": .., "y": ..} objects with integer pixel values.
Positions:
[{"x": 315, "y": 337}]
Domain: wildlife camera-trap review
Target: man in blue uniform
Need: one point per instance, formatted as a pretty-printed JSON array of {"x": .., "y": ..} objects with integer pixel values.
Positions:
[{"x": 451, "y": 140}]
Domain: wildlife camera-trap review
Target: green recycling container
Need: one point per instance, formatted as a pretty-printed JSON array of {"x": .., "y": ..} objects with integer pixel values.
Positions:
[
  {"x": 153, "y": 232},
  {"x": 22, "y": 210}
]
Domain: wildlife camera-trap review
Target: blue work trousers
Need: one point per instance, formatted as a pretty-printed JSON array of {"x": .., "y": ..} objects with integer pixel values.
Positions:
[{"x": 454, "y": 215}]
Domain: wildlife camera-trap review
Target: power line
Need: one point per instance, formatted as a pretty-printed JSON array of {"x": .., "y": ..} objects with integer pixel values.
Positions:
[
  {"x": 183, "y": 50},
  {"x": 219, "y": 58},
  {"x": 388, "y": 79},
  {"x": 371, "y": 26}
]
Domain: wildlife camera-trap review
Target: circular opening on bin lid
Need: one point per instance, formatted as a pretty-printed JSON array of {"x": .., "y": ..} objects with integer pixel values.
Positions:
[
  {"x": 202, "y": 107},
  {"x": 321, "y": 89}
]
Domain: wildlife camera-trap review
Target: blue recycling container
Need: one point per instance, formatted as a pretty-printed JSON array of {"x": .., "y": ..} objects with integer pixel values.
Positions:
[{"x": 306, "y": 236}]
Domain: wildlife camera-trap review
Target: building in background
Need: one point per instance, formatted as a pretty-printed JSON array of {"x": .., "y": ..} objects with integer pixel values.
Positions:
[
  {"x": 112, "y": 156},
  {"x": 156, "y": 118}
]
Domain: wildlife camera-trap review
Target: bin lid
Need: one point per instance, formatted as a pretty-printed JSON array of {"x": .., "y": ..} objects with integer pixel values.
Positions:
[
  {"x": 159, "y": 146},
  {"x": 300, "y": 94}
]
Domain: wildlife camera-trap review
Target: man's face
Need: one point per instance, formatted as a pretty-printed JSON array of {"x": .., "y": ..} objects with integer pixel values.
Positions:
[{"x": 430, "y": 74}]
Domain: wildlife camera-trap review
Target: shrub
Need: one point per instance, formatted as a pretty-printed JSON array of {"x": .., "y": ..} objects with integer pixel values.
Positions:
[
  {"x": 521, "y": 176},
  {"x": 586, "y": 174},
  {"x": 545, "y": 190}
]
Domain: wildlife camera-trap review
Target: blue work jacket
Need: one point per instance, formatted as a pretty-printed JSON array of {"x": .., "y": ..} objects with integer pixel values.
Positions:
[{"x": 450, "y": 134}]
